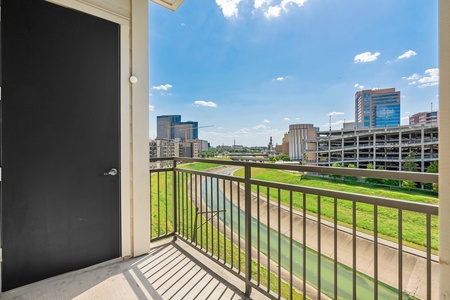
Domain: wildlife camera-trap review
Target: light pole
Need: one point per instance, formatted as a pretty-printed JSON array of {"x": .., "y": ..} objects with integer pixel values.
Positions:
[{"x": 431, "y": 114}]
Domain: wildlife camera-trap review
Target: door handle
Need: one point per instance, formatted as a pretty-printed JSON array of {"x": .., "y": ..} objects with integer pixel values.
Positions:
[{"x": 111, "y": 172}]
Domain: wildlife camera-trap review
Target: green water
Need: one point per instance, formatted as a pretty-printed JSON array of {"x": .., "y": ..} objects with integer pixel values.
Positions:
[{"x": 364, "y": 283}]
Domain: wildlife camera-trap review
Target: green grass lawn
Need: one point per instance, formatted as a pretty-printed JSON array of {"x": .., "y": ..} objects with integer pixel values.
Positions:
[
  {"x": 414, "y": 225},
  {"x": 198, "y": 166}
]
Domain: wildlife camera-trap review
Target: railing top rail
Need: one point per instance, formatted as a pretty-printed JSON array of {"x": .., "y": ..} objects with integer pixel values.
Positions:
[{"x": 382, "y": 174}]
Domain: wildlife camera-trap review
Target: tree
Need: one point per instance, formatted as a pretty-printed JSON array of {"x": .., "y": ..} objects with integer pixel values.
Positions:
[
  {"x": 336, "y": 165},
  {"x": 387, "y": 181},
  {"x": 409, "y": 165},
  {"x": 284, "y": 157},
  {"x": 368, "y": 179},
  {"x": 273, "y": 158},
  {"x": 351, "y": 178},
  {"x": 433, "y": 168}
]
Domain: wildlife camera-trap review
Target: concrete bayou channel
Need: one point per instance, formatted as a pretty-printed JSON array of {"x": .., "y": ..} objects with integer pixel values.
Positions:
[{"x": 365, "y": 284}]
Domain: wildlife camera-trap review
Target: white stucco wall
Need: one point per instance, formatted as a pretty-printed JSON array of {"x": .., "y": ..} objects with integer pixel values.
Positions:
[{"x": 444, "y": 149}]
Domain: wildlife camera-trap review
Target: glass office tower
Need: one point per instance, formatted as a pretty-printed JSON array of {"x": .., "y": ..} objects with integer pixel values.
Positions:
[{"x": 377, "y": 108}]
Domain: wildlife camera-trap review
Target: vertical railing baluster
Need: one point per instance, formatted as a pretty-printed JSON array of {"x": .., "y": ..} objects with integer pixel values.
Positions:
[
  {"x": 319, "y": 249},
  {"x": 231, "y": 223},
  {"x": 279, "y": 242},
  {"x": 291, "y": 271},
  {"x": 400, "y": 254},
  {"x": 179, "y": 203},
  {"x": 182, "y": 209},
  {"x": 159, "y": 200},
  {"x": 185, "y": 204},
  {"x": 200, "y": 224},
  {"x": 429, "y": 256},
  {"x": 217, "y": 217},
  {"x": 354, "y": 247},
  {"x": 166, "y": 186},
  {"x": 224, "y": 223},
  {"x": 191, "y": 205},
  {"x": 375, "y": 251},
  {"x": 258, "y": 232},
  {"x": 207, "y": 209},
  {"x": 335, "y": 250},
  {"x": 174, "y": 199},
  {"x": 268, "y": 239},
  {"x": 239, "y": 224},
  {"x": 304, "y": 244},
  {"x": 248, "y": 231}
]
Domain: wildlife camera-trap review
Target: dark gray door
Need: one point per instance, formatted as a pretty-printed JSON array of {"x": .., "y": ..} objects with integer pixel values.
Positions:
[{"x": 60, "y": 134}]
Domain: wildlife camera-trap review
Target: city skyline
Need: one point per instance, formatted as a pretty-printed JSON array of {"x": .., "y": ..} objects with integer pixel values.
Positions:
[{"x": 251, "y": 68}]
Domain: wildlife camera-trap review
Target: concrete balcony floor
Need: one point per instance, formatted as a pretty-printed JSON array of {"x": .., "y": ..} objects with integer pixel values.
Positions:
[{"x": 171, "y": 270}]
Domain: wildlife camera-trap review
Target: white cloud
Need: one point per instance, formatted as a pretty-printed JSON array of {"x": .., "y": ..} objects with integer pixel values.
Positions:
[
  {"x": 260, "y": 3},
  {"x": 414, "y": 76},
  {"x": 335, "y": 125},
  {"x": 276, "y": 10},
  {"x": 281, "y": 78},
  {"x": 335, "y": 113},
  {"x": 183, "y": 24},
  {"x": 407, "y": 54},
  {"x": 404, "y": 118},
  {"x": 359, "y": 86},
  {"x": 243, "y": 131},
  {"x": 162, "y": 87},
  {"x": 205, "y": 103},
  {"x": 229, "y": 7},
  {"x": 259, "y": 127},
  {"x": 266, "y": 121},
  {"x": 273, "y": 12},
  {"x": 366, "y": 57},
  {"x": 430, "y": 78},
  {"x": 151, "y": 107},
  {"x": 286, "y": 119}
]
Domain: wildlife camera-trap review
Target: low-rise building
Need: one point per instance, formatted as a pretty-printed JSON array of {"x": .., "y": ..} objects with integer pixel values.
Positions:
[
  {"x": 385, "y": 147},
  {"x": 425, "y": 117}
]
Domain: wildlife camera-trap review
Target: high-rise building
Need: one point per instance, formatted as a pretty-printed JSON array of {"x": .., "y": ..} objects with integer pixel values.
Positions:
[
  {"x": 302, "y": 140},
  {"x": 164, "y": 126},
  {"x": 377, "y": 108},
  {"x": 426, "y": 117},
  {"x": 185, "y": 131},
  {"x": 171, "y": 127}
]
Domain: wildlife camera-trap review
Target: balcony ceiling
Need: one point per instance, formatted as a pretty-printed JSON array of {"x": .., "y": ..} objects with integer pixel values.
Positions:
[{"x": 170, "y": 4}]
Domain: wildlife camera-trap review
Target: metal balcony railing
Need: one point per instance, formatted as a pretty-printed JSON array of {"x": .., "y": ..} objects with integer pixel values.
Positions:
[{"x": 288, "y": 240}]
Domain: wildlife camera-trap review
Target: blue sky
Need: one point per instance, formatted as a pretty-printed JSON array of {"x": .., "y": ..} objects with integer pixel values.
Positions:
[{"x": 253, "y": 67}]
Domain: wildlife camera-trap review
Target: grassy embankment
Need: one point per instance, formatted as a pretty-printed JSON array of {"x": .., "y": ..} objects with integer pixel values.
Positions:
[
  {"x": 414, "y": 225},
  {"x": 216, "y": 241}
]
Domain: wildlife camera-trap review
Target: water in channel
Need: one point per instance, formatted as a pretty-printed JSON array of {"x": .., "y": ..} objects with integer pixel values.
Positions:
[{"x": 216, "y": 201}]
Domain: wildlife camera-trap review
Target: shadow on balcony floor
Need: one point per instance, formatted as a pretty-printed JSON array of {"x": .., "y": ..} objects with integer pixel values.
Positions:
[{"x": 172, "y": 270}]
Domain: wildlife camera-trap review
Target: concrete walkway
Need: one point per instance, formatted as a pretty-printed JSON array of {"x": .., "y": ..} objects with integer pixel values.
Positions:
[{"x": 171, "y": 270}]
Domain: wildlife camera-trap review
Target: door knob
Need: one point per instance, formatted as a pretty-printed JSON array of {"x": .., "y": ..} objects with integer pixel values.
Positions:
[{"x": 111, "y": 172}]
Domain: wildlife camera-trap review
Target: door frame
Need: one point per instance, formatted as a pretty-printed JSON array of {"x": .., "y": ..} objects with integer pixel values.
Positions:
[{"x": 134, "y": 117}]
